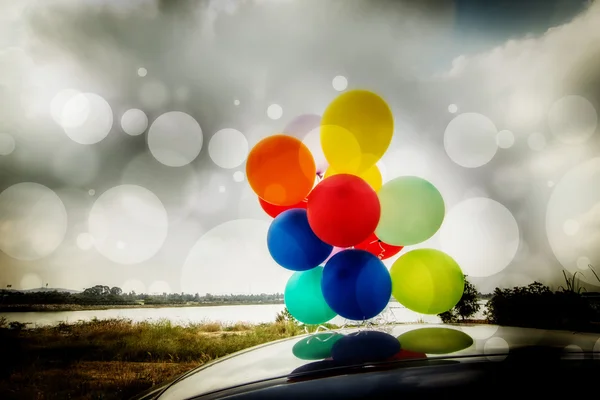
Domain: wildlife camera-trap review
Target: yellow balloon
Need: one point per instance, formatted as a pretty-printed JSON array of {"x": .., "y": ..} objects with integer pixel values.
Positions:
[
  {"x": 356, "y": 130},
  {"x": 372, "y": 176}
]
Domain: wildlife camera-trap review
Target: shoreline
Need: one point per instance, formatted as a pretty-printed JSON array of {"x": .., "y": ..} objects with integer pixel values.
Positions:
[
  {"x": 14, "y": 308},
  {"x": 80, "y": 307}
]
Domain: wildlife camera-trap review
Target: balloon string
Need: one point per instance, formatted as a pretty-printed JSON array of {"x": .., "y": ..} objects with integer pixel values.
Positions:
[{"x": 380, "y": 256}]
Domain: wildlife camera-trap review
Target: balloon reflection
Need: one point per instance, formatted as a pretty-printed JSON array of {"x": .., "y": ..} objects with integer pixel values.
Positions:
[
  {"x": 435, "y": 340},
  {"x": 365, "y": 347},
  {"x": 336, "y": 350},
  {"x": 317, "y": 346},
  {"x": 356, "y": 349}
]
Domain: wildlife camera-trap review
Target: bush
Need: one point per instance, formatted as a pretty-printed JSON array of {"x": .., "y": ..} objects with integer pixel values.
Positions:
[
  {"x": 466, "y": 307},
  {"x": 536, "y": 306}
]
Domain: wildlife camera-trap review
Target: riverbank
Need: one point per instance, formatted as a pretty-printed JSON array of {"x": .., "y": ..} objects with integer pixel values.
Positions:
[
  {"x": 116, "y": 359},
  {"x": 80, "y": 307},
  {"x": 92, "y": 307}
]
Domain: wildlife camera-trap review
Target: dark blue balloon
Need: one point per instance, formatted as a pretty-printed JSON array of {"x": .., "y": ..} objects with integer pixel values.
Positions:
[
  {"x": 292, "y": 243},
  {"x": 363, "y": 347},
  {"x": 356, "y": 284}
]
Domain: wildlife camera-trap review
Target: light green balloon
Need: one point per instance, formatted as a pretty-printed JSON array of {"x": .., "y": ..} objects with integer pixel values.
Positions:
[
  {"x": 412, "y": 210},
  {"x": 435, "y": 340},
  {"x": 427, "y": 281},
  {"x": 304, "y": 299}
]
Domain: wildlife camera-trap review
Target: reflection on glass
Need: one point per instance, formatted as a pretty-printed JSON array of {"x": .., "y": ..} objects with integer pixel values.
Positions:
[
  {"x": 365, "y": 347},
  {"x": 408, "y": 355},
  {"x": 316, "y": 347},
  {"x": 435, "y": 340},
  {"x": 336, "y": 350}
]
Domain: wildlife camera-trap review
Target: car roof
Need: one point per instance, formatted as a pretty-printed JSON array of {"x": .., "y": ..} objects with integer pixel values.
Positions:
[{"x": 311, "y": 353}]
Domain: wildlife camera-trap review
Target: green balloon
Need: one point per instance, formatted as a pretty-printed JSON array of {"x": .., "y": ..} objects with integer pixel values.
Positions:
[
  {"x": 304, "y": 299},
  {"x": 427, "y": 281},
  {"x": 412, "y": 210},
  {"x": 317, "y": 346},
  {"x": 435, "y": 340}
]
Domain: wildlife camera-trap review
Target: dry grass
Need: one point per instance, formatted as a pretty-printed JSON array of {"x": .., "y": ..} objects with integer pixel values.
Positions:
[
  {"x": 89, "y": 380},
  {"x": 115, "y": 359}
]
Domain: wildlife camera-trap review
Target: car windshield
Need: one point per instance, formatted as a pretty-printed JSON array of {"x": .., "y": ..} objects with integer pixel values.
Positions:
[{"x": 181, "y": 181}]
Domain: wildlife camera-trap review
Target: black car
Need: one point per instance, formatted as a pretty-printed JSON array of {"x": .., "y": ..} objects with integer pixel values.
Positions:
[{"x": 399, "y": 362}]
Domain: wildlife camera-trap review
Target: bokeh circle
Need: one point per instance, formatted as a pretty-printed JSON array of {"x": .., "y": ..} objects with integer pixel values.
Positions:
[
  {"x": 496, "y": 348},
  {"x": 7, "y": 144},
  {"x": 238, "y": 176},
  {"x": 573, "y": 119},
  {"x": 31, "y": 281},
  {"x": 339, "y": 83},
  {"x": 470, "y": 140},
  {"x": 34, "y": 221},
  {"x": 228, "y": 148},
  {"x": 481, "y": 235},
  {"x": 312, "y": 140},
  {"x": 58, "y": 102},
  {"x": 128, "y": 224},
  {"x": 175, "y": 139},
  {"x": 505, "y": 139},
  {"x": 274, "y": 111},
  {"x": 233, "y": 258},
  {"x": 134, "y": 122},
  {"x": 86, "y": 118},
  {"x": 573, "y": 218}
]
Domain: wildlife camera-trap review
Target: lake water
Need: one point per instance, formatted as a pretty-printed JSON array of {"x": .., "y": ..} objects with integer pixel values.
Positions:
[{"x": 183, "y": 315}]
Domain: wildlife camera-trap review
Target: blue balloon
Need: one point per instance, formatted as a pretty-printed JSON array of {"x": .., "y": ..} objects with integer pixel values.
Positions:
[
  {"x": 365, "y": 346},
  {"x": 292, "y": 243},
  {"x": 356, "y": 284}
]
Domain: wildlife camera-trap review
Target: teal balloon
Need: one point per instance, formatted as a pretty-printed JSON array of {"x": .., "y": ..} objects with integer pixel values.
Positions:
[
  {"x": 317, "y": 346},
  {"x": 412, "y": 211},
  {"x": 304, "y": 299}
]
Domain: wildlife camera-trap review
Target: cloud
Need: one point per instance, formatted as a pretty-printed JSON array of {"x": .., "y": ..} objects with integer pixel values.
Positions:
[
  {"x": 523, "y": 77},
  {"x": 286, "y": 52}
]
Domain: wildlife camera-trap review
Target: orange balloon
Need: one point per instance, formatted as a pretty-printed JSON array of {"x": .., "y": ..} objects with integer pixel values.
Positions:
[{"x": 281, "y": 170}]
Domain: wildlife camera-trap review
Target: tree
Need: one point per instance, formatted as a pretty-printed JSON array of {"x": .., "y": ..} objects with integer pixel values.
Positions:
[
  {"x": 116, "y": 291},
  {"x": 285, "y": 316},
  {"x": 93, "y": 291},
  {"x": 466, "y": 307}
]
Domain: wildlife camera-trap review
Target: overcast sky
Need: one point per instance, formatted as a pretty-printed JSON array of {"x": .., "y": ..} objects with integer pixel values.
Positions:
[{"x": 124, "y": 127}]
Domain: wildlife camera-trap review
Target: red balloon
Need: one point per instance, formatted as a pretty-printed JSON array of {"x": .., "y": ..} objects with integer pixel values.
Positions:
[
  {"x": 375, "y": 246},
  {"x": 274, "y": 210},
  {"x": 343, "y": 210},
  {"x": 407, "y": 355}
]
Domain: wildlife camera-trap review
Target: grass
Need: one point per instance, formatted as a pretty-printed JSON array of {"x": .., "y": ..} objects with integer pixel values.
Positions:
[
  {"x": 572, "y": 284},
  {"x": 116, "y": 359}
]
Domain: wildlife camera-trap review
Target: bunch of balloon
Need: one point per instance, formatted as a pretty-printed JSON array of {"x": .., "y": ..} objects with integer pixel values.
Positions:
[{"x": 335, "y": 235}]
